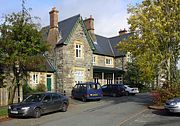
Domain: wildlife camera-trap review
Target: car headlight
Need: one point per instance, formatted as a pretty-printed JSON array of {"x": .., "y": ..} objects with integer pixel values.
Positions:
[
  {"x": 9, "y": 107},
  {"x": 25, "y": 108},
  {"x": 173, "y": 103}
]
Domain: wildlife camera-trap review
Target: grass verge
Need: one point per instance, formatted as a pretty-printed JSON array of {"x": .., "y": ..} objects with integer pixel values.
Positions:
[{"x": 3, "y": 112}]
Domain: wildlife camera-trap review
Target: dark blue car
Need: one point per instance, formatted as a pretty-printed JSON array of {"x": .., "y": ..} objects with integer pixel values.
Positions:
[
  {"x": 39, "y": 103},
  {"x": 87, "y": 91}
]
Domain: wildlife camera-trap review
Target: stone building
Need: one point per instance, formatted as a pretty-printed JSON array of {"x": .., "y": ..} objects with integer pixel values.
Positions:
[{"x": 79, "y": 55}]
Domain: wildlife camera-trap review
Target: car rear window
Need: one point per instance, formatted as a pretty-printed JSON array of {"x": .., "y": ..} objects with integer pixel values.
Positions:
[{"x": 94, "y": 86}]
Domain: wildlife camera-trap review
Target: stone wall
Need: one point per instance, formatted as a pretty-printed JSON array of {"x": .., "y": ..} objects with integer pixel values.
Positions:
[
  {"x": 67, "y": 63},
  {"x": 118, "y": 62},
  {"x": 42, "y": 79},
  {"x": 100, "y": 61}
]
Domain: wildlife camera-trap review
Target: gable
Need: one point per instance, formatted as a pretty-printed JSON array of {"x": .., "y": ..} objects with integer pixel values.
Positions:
[{"x": 67, "y": 28}]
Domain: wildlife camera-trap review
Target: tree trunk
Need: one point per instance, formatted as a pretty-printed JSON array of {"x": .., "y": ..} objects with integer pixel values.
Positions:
[{"x": 12, "y": 91}]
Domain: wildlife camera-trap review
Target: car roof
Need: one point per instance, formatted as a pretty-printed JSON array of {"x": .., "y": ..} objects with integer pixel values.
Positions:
[
  {"x": 46, "y": 93},
  {"x": 87, "y": 83},
  {"x": 113, "y": 85}
]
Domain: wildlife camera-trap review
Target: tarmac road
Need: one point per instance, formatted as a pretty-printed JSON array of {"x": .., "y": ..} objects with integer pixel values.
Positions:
[{"x": 111, "y": 111}]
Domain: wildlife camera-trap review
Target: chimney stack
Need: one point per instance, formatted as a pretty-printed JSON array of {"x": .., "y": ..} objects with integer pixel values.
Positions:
[
  {"x": 90, "y": 24},
  {"x": 53, "y": 18},
  {"x": 53, "y": 35},
  {"x": 121, "y": 32}
]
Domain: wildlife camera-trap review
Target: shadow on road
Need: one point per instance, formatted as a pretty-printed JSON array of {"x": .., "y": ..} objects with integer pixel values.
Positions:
[
  {"x": 142, "y": 99},
  {"x": 163, "y": 112}
]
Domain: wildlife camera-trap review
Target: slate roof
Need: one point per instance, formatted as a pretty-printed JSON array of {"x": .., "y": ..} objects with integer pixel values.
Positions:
[
  {"x": 115, "y": 40},
  {"x": 103, "y": 45},
  {"x": 107, "y": 69},
  {"x": 44, "y": 66},
  {"x": 107, "y": 46},
  {"x": 64, "y": 27}
]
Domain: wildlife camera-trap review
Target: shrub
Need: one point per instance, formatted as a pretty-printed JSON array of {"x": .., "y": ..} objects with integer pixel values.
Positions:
[
  {"x": 27, "y": 89},
  {"x": 160, "y": 95},
  {"x": 41, "y": 88}
]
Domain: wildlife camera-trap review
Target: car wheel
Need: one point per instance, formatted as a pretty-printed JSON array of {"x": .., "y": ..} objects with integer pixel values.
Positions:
[
  {"x": 98, "y": 99},
  {"x": 84, "y": 99},
  {"x": 72, "y": 96},
  {"x": 64, "y": 107},
  {"x": 114, "y": 95},
  {"x": 37, "y": 113},
  {"x": 126, "y": 93}
]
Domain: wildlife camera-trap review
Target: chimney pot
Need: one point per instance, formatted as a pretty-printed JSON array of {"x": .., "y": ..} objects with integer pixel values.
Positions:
[
  {"x": 121, "y": 32},
  {"x": 54, "y": 18}
]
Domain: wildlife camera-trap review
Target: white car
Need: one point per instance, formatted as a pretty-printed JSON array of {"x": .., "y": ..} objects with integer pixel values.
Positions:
[
  {"x": 131, "y": 90},
  {"x": 173, "y": 105}
]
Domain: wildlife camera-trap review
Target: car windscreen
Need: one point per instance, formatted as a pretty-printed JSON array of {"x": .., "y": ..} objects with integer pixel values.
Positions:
[
  {"x": 94, "y": 86},
  {"x": 34, "y": 98}
]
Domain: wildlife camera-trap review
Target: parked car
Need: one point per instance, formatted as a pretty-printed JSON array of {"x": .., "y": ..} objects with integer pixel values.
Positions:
[
  {"x": 113, "y": 90},
  {"x": 39, "y": 103},
  {"x": 173, "y": 105},
  {"x": 131, "y": 90},
  {"x": 87, "y": 91}
]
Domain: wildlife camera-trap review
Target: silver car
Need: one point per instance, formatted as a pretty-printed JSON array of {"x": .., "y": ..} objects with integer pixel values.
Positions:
[{"x": 173, "y": 105}]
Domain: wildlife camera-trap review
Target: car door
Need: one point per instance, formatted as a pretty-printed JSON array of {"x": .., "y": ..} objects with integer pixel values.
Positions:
[
  {"x": 75, "y": 91},
  {"x": 57, "y": 101},
  {"x": 104, "y": 89},
  {"x": 47, "y": 103}
]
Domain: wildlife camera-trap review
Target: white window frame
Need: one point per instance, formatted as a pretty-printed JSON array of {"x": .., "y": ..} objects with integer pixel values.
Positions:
[
  {"x": 78, "y": 76},
  {"x": 119, "y": 80},
  {"x": 35, "y": 78},
  {"x": 78, "y": 50},
  {"x": 94, "y": 59},
  {"x": 108, "y": 61}
]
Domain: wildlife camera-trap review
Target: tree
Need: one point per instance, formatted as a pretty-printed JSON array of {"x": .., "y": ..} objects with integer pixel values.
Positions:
[
  {"x": 20, "y": 41},
  {"x": 132, "y": 75},
  {"x": 156, "y": 35}
]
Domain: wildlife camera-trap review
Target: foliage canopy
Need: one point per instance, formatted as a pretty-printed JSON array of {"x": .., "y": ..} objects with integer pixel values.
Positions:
[{"x": 155, "y": 25}]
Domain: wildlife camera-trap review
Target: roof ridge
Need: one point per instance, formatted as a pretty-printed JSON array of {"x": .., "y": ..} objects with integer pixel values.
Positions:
[
  {"x": 111, "y": 47},
  {"x": 101, "y": 36},
  {"x": 120, "y": 35},
  {"x": 78, "y": 15}
]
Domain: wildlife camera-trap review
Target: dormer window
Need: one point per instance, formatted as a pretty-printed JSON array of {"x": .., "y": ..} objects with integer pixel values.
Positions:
[{"x": 78, "y": 51}]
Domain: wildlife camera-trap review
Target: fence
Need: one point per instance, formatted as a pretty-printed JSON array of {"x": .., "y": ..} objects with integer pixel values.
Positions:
[{"x": 3, "y": 96}]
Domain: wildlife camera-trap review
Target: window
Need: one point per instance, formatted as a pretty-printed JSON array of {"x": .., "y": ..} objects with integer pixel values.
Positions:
[
  {"x": 96, "y": 79},
  {"x": 35, "y": 78},
  {"x": 78, "y": 51},
  {"x": 55, "y": 97},
  {"x": 94, "y": 59},
  {"x": 47, "y": 98},
  {"x": 119, "y": 80},
  {"x": 129, "y": 57},
  {"x": 94, "y": 86},
  {"x": 109, "y": 61},
  {"x": 78, "y": 75}
]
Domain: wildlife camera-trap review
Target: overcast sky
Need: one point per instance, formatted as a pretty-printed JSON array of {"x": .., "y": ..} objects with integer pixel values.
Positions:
[{"x": 109, "y": 15}]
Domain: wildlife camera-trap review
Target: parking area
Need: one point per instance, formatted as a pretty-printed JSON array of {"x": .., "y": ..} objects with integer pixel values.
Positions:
[{"x": 110, "y": 111}]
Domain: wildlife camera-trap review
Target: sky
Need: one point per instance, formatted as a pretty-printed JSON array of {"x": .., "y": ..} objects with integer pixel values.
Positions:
[{"x": 109, "y": 15}]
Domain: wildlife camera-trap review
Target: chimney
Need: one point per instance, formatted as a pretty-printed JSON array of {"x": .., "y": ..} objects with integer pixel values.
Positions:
[
  {"x": 53, "y": 18},
  {"x": 122, "y": 32},
  {"x": 53, "y": 36},
  {"x": 89, "y": 23}
]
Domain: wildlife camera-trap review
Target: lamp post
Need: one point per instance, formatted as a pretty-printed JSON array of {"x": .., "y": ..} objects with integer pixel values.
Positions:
[{"x": 17, "y": 79}]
